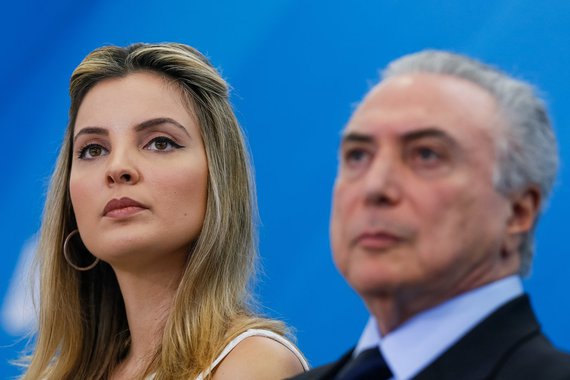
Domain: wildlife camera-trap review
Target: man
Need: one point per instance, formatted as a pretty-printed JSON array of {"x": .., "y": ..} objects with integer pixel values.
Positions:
[{"x": 443, "y": 171}]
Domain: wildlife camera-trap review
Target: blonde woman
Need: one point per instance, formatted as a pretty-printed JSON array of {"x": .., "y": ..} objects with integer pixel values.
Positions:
[{"x": 148, "y": 241}]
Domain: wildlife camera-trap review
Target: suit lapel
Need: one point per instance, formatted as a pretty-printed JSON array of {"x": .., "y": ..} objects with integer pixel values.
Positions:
[{"x": 482, "y": 351}]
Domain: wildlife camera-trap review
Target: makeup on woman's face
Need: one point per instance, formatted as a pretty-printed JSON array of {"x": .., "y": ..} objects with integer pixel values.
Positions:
[{"x": 139, "y": 171}]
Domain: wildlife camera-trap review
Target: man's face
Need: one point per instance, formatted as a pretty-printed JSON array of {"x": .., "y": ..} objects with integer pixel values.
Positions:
[{"x": 415, "y": 213}]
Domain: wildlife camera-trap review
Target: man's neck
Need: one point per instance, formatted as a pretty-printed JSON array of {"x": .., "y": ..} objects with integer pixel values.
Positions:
[{"x": 392, "y": 309}]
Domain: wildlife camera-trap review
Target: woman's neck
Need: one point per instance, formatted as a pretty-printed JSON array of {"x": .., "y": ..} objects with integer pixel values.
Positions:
[{"x": 148, "y": 300}]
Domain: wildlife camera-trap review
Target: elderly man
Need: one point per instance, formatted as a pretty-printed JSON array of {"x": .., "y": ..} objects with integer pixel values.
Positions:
[{"x": 444, "y": 168}]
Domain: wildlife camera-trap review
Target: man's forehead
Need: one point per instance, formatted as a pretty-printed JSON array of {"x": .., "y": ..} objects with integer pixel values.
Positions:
[
  {"x": 423, "y": 99},
  {"x": 416, "y": 84}
]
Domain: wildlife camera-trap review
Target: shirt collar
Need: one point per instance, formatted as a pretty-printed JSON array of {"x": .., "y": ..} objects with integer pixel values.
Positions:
[{"x": 439, "y": 327}]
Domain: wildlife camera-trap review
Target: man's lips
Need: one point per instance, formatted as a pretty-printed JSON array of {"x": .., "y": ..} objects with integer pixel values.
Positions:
[
  {"x": 122, "y": 207},
  {"x": 377, "y": 240}
]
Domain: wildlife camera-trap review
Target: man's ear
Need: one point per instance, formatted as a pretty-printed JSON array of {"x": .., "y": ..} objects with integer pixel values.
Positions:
[{"x": 525, "y": 206}]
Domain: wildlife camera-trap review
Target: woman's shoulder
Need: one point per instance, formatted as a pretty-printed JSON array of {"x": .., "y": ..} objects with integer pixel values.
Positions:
[{"x": 259, "y": 354}]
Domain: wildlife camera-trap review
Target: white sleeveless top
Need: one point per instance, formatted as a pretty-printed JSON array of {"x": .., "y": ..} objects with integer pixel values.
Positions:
[{"x": 244, "y": 335}]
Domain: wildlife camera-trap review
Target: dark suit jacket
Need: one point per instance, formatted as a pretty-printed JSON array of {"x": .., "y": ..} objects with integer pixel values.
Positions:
[{"x": 506, "y": 345}]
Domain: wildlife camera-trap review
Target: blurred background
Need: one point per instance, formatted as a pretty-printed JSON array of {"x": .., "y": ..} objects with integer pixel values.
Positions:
[{"x": 297, "y": 69}]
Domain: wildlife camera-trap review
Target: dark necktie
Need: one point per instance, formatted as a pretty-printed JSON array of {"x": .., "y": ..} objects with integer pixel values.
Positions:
[{"x": 369, "y": 364}]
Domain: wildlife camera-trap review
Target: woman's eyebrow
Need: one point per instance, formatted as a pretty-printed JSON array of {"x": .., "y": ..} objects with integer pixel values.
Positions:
[
  {"x": 160, "y": 120},
  {"x": 91, "y": 131},
  {"x": 140, "y": 127}
]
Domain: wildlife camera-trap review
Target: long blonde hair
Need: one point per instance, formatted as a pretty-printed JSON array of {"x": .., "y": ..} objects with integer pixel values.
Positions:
[{"x": 82, "y": 328}]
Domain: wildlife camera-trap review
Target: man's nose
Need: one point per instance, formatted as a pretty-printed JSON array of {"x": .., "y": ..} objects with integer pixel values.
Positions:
[
  {"x": 122, "y": 168},
  {"x": 382, "y": 184}
]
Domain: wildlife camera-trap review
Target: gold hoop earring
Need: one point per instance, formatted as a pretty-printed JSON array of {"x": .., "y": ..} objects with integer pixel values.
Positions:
[{"x": 65, "y": 255}]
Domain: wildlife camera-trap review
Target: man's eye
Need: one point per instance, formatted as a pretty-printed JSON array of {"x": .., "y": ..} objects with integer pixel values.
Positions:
[
  {"x": 91, "y": 151},
  {"x": 354, "y": 156},
  {"x": 162, "y": 144},
  {"x": 426, "y": 156}
]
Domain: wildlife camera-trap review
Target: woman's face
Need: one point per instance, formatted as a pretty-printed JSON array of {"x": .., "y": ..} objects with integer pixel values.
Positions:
[{"x": 139, "y": 172}]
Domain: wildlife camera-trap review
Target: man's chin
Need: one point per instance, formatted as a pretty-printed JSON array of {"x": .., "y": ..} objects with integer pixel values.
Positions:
[{"x": 372, "y": 285}]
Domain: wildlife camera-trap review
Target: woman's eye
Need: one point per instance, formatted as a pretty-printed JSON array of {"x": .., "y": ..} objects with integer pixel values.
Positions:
[
  {"x": 162, "y": 144},
  {"x": 91, "y": 151}
]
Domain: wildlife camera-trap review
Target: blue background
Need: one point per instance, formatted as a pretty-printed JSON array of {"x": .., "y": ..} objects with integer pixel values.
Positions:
[{"x": 297, "y": 69}]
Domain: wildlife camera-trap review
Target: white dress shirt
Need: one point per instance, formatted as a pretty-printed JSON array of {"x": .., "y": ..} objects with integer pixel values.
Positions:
[{"x": 420, "y": 340}]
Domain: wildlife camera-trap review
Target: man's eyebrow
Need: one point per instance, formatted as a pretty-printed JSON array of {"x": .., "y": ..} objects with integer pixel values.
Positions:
[
  {"x": 160, "y": 120},
  {"x": 356, "y": 137},
  {"x": 428, "y": 132},
  {"x": 91, "y": 131}
]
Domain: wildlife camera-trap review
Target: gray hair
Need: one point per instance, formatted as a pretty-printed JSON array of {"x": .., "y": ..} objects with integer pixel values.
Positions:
[{"x": 528, "y": 154}]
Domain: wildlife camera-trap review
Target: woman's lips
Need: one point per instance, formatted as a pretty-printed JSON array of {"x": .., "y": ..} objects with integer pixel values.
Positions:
[{"x": 120, "y": 208}]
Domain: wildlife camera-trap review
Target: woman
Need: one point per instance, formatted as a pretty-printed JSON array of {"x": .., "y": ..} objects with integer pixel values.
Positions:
[{"x": 147, "y": 242}]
